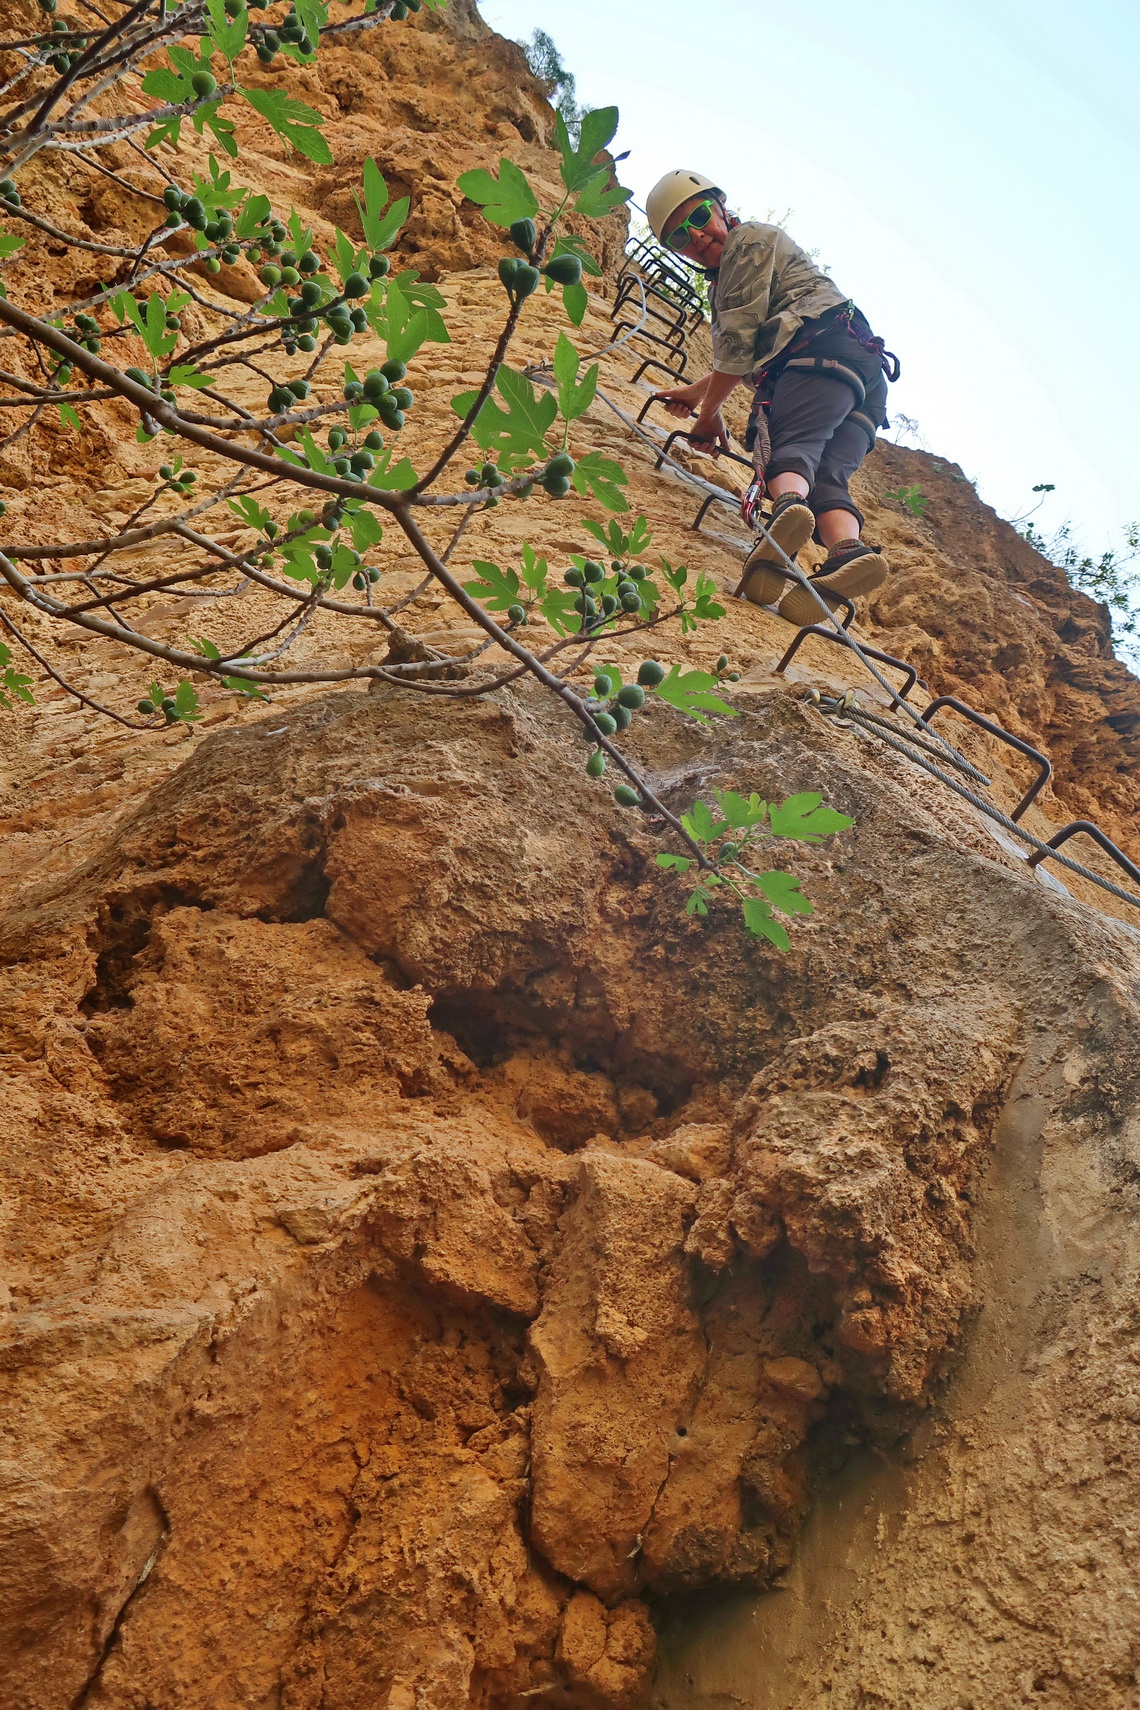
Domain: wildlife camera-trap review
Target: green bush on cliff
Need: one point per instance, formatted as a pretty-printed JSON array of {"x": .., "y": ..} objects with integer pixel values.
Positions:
[{"x": 1112, "y": 579}]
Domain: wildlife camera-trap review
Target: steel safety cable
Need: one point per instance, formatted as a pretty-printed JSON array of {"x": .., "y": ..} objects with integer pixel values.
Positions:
[
  {"x": 535, "y": 369},
  {"x": 630, "y": 332},
  {"x": 961, "y": 764},
  {"x": 842, "y": 710}
]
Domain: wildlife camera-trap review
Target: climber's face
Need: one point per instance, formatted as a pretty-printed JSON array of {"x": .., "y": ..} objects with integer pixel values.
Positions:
[{"x": 703, "y": 243}]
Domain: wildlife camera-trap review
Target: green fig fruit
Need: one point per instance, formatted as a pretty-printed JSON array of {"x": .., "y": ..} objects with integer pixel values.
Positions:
[
  {"x": 564, "y": 270},
  {"x": 524, "y": 234},
  {"x": 526, "y": 280}
]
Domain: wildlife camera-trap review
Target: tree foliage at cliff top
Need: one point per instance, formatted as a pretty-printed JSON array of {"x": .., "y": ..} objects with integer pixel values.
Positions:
[{"x": 317, "y": 478}]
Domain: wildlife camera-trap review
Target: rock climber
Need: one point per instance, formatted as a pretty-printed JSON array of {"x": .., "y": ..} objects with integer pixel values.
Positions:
[{"x": 819, "y": 379}]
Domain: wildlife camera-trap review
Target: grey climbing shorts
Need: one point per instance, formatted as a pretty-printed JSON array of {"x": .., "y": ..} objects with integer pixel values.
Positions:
[
  {"x": 817, "y": 431},
  {"x": 826, "y": 406}
]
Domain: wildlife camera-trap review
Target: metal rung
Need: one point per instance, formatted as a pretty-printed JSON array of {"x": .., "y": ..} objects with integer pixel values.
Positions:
[
  {"x": 824, "y": 634},
  {"x": 667, "y": 343},
  {"x": 628, "y": 281},
  {"x": 676, "y": 320},
  {"x": 653, "y": 262},
  {"x": 679, "y": 433},
  {"x": 675, "y": 282},
  {"x": 1044, "y": 764},
  {"x": 712, "y": 499},
  {"x": 647, "y": 254},
  {"x": 652, "y": 362},
  {"x": 631, "y": 276},
  {"x": 679, "y": 321},
  {"x": 646, "y": 261},
  {"x": 675, "y": 329},
  {"x": 693, "y": 316},
  {"x": 1098, "y": 836},
  {"x": 673, "y": 350},
  {"x": 634, "y": 274}
]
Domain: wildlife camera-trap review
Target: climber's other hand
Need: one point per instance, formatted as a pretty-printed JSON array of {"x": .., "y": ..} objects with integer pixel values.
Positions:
[
  {"x": 681, "y": 401},
  {"x": 709, "y": 434}
]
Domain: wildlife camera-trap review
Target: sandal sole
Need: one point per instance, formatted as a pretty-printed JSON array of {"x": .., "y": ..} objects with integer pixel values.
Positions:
[
  {"x": 862, "y": 576},
  {"x": 763, "y": 580}
]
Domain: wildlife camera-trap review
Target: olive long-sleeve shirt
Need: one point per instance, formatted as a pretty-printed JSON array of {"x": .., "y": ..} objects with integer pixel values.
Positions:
[{"x": 764, "y": 291}]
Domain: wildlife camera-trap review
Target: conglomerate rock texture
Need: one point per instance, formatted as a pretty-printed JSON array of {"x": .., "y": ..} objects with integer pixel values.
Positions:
[
  {"x": 429, "y": 1258},
  {"x": 429, "y": 1243}
]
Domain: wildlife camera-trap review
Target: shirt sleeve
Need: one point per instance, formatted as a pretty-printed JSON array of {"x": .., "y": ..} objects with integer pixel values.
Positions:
[
  {"x": 744, "y": 294},
  {"x": 732, "y": 350}
]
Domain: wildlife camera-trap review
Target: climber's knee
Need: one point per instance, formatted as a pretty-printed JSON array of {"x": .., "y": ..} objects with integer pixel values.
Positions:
[
  {"x": 842, "y": 456},
  {"x": 828, "y": 496},
  {"x": 792, "y": 463}
]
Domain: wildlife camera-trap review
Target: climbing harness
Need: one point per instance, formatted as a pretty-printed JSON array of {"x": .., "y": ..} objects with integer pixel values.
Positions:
[
  {"x": 843, "y": 320},
  {"x": 892, "y": 367}
]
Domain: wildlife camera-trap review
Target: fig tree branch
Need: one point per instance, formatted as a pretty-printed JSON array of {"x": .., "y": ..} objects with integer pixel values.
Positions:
[{"x": 96, "y": 706}]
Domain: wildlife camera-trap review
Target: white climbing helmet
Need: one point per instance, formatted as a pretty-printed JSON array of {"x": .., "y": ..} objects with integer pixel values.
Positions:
[{"x": 669, "y": 192}]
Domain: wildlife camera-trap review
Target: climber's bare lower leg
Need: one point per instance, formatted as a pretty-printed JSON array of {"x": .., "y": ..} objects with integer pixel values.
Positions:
[
  {"x": 834, "y": 526},
  {"x": 788, "y": 483}
]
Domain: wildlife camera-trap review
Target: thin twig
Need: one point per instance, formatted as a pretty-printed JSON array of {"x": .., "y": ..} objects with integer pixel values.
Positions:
[{"x": 96, "y": 706}]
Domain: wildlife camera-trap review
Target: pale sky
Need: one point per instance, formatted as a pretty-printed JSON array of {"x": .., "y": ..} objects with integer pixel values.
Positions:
[{"x": 968, "y": 170}]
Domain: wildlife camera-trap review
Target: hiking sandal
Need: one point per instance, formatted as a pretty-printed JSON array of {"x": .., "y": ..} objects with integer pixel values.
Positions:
[
  {"x": 765, "y": 577},
  {"x": 852, "y": 570}
]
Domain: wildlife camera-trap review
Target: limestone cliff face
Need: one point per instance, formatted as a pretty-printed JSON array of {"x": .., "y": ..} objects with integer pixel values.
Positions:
[
  {"x": 428, "y": 1257},
  {"x": 406, "y": 1287}
]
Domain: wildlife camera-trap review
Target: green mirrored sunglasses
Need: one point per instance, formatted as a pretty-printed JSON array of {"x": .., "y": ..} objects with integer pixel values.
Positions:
[{"x": 695, "y": 222}]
